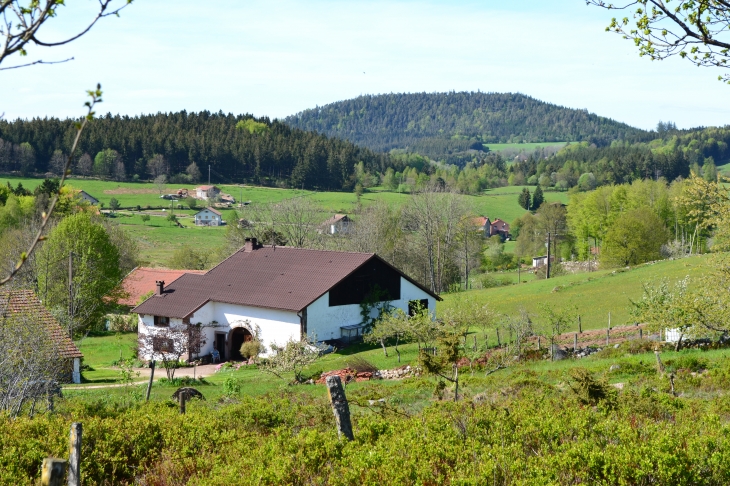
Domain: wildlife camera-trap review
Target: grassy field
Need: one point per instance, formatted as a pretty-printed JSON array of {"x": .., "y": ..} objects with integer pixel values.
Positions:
[
  {"x": 595, "y": 294},
  {"x": 522, "y": 147}
]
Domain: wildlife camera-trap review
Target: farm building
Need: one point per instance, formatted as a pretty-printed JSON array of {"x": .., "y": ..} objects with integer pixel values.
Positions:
[
  {"x": 279, "y": 293},
  {"x": 206, "y": 192},
  {"x": 338, "y": 224},
  {"x": 492, "y": 228},
  {"x": 208, "y": 217},
  {"x": 85, "y": 196},
  {"x": 24, "y": 304}
]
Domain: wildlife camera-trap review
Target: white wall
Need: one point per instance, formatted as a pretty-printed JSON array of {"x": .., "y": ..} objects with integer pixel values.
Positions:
[{"x": 325, "y": 321}]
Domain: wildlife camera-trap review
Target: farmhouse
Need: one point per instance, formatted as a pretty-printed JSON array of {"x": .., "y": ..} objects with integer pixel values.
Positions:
[
  {"x": 208, "y": 217},
  {"x": 85, "y": 196},
  {"x": 206, "y": 192},
  {"x": 491, "y": 228},
  {"x": 338, "y": 224},
  {"x": 24, "y": 304},
  {"x": 277, "y": 294}
]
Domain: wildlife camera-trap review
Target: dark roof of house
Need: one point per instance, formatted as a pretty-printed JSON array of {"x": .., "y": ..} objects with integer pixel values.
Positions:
[
  {"x": 271, "y": 277},
  {"x": 206, "y": 188},
  {"x": 25, "y": 302},
  {"x": 142, "y": 279},
  {"x": 211, "y": 210}
]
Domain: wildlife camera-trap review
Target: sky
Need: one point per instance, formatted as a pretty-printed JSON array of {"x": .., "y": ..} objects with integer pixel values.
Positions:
[{"x": 277, "y": 57}]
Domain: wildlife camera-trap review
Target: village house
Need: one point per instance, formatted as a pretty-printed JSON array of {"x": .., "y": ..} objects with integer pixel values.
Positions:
[
  {"x": 208, "y": 217},
  {"x": 276, "y": 293},
  {"x": 85, "y": 196},
  {"x": 338, "y": 224},
  {"x": 25, "y": 304},
  {"x": 491, "y": 228},
  {"x": 206, "y": 192},
  {"x": 540, "y": 261}
]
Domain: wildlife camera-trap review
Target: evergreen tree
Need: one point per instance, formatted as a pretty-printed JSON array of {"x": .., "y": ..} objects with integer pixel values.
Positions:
[
  {"x": 524, "y": 198},
  {"x": 537, "y": 198}
]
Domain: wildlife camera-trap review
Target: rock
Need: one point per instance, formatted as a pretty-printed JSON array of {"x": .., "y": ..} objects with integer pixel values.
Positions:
[
  {"x": 614, "y": 367},
  {"x": 558, "y": 353},
  {"x": 189, "y": 393},
  {"x": 616, "y": 346}
]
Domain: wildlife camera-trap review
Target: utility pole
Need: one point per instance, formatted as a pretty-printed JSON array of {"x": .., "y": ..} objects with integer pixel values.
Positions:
[
  {"x": 547, "y": 274},
  {"x": 209, "y": 175},
  {"x": 70, "y": 285}
]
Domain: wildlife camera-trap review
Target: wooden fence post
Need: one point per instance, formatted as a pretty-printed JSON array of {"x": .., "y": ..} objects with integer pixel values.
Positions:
[
  {"x": 340, "y": 407},
  {"x": 499, "y": 341},
  {"x": 608, "y": 330},
  {"x": 580, "y": 326},
  {"x": 181, "y": 397},
  {"x": 52, "y": 471},
  {"x": 539, "y": 344},
  {"x": 152, "y": 377},
  {"x": 641, "y": 333},
  {"x": 74, "y": 458},
  {"x": 575, "y": 342}
]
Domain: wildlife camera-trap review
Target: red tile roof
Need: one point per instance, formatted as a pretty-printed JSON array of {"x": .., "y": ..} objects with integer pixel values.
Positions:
[
  {"x": 271, "y": 277},
  {"x": 142, "y": 279},
  {"x": 480, "y": 221},
  {"x": 25, "y": 303}
]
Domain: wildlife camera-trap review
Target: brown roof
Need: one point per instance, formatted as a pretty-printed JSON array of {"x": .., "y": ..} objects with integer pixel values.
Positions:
[
  {"x": 25, "y": 302},
  {"x": 205, "y": 188},
  {"x": 272, "y": 277},
  {"x": 336, "y": 218},
  {"x": 142, "y": 279}
]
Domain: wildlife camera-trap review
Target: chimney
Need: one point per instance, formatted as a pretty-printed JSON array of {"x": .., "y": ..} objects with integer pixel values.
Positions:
[
  {"x": 160, "y": 286},
  {"x": 251, "y": 244}
]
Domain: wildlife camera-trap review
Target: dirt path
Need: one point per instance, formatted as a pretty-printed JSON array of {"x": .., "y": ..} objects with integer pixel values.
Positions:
[{"x": 199, "y": 372}]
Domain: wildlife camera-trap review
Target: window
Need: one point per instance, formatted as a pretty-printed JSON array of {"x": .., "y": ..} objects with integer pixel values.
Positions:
[
  {"x": 416, "y": 306},
  {"x": 162, "y": 321},
  {"x": 162, "y": 345}
]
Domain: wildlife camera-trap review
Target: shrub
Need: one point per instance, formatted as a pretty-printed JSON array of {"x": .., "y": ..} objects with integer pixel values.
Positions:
[{"x": 251, "y": 349}]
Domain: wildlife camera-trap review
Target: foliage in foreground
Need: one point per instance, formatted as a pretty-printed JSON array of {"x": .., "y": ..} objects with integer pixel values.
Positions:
[{"x": 529, "y": 432}]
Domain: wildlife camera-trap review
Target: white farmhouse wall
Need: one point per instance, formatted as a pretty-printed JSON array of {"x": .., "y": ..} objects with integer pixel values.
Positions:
[{"x": 324, "y": 321}]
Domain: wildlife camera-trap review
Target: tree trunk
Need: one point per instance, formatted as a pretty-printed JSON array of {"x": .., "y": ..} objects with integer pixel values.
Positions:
[{"x": 385, "y": 351}]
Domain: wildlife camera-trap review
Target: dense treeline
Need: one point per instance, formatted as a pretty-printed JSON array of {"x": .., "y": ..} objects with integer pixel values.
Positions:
[
  {"x": 237, "y": 148},
  {"x": 439, "y": 124},
  {"x": 672, "y": 156}
]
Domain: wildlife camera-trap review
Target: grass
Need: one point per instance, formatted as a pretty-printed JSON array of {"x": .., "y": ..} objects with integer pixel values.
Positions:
[
  {"x": 594, "y": 294},
  {"x": 522, "y": 147},
  {"x": 101, "y": 350}
]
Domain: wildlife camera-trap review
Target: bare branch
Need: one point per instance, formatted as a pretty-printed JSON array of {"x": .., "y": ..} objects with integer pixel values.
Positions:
[{"x": 36, "y": 62}]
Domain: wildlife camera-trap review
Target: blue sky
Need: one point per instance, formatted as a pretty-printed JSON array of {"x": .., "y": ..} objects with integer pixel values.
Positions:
[{"x": 278, "y": 57}]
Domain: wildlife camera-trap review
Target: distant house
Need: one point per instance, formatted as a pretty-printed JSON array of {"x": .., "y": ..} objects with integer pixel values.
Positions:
[
  {"x": 87, "y": 197},
  {"x": 279, "y": 293},
  {"x": 209, "y": 217},
  {"x": 491, "y": 228},
  {"x": 24, "y": 303},
  {"x": 141, "y": 281},
  {"x": 338, "y": 224},
  {"x": 206, "y": 192}
]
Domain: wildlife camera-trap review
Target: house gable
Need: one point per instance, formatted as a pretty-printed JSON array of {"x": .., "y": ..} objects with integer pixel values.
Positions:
[{"x": 371, "y": 278}]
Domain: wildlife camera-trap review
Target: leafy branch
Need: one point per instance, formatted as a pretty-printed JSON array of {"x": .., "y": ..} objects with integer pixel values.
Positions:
[{"x": 95, "y": 96}]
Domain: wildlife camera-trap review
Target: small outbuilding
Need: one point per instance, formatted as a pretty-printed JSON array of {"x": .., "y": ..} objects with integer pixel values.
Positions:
[
  {"x": 206, "y": 192},
  {"x": 338, "y": 224},
  {"x": 85, "y": 196}
]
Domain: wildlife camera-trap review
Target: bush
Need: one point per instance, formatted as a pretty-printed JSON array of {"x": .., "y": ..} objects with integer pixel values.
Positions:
[
  {"x": 231, "y": 386},
  {"x": 360, "y": 364},
  {"x": 251, "y": 349}
]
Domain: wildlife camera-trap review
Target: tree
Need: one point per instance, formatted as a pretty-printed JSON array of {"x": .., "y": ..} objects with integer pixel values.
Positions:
[
  {"x": 537, "y": 198},
  {"x": 170, "y": 344},
  {"x": 191, "y": 202},
  {"x": 193, "y": 171},
  {"x": 587, "y": 181},
  {"x": 57, "y": 164},
  {"x": 23, "y": 21},
  {"x": 556, "y": 320},
  {"x": 30, "y": 362},
  {"x": 390, "y": 325},
  {"x": 292, "y": 357},
  {"x": 294, "y": 220},
  {"x": 26, "y": 158},
  {"x": 114, "y": 204},
  {"x": 389, "y": 180},
  {"x": 187, "y": 258},
  {"x": 106, "y": 162},
  {"x": 661, "y": 306},
  {"x": 145, "y": 218},
  {"x": 524, "y": 199},
  {"x": 96, "y": 271},
  {"x": 693, "y": 30},
  {"x": 636, "y": 237},
  {"x": 158, "y": 166},
  {"x": 85, "y": 165},
  {"x": 709, "y": 170},
  {"x": 161, "y": 183}
]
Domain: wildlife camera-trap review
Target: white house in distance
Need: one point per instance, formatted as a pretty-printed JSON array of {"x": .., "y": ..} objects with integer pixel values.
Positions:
[
  {"x": 338, "y": 224},
  {"x": 208, "y": 217},
  {"x": 279, "y": 293},
  {"x": 206, "y": 192}
]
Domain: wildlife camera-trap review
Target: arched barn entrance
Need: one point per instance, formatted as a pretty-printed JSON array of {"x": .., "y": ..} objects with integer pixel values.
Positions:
[{"x": 238, "y": 336}]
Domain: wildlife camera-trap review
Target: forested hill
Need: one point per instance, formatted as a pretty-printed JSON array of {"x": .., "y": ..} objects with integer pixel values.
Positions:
[
  {"x": 435, "y": 124},
  {"x": 238, "y": 148}
]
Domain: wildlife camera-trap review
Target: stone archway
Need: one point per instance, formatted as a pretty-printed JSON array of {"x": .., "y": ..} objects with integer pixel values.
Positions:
[{"x": 237, "y": 337}]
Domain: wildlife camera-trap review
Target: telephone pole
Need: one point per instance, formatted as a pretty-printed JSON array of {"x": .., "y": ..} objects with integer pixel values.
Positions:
[
  {"x": 547, "y": 274},
  {"x": 71, "y": 285},
  {"x": 209, "y": 175}
]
